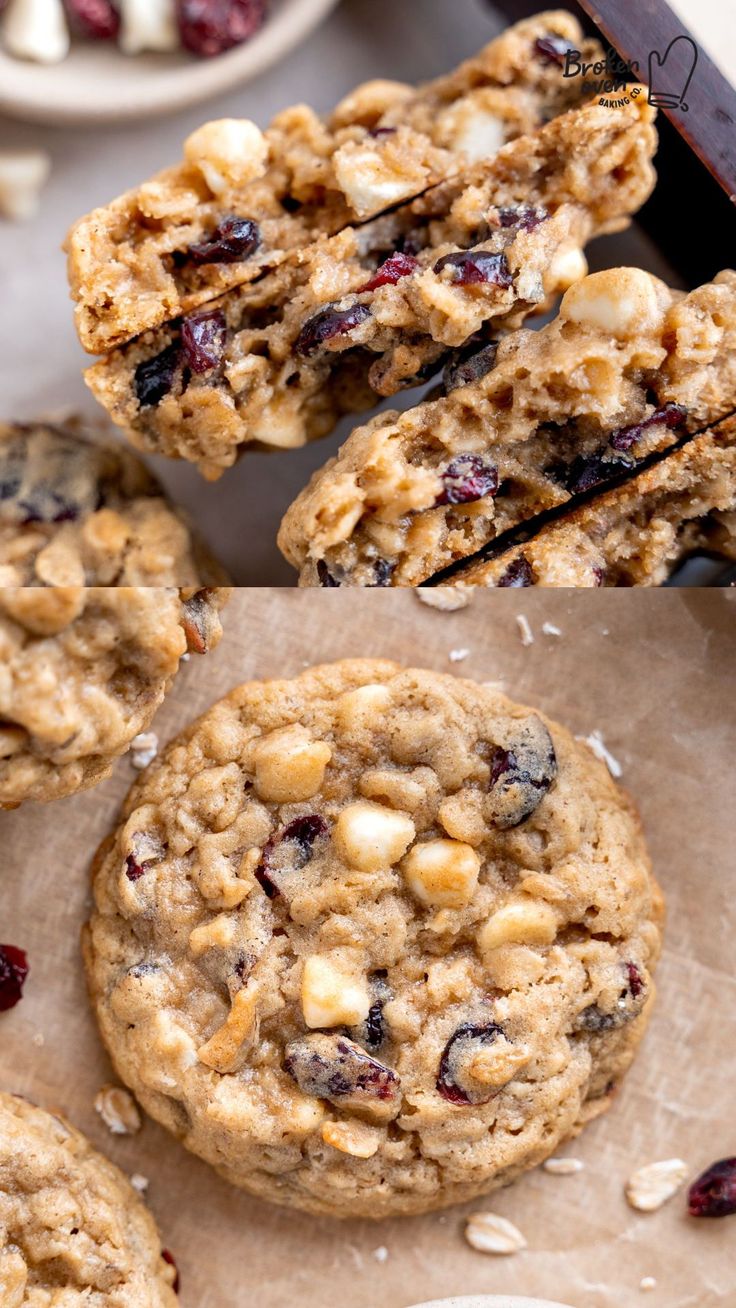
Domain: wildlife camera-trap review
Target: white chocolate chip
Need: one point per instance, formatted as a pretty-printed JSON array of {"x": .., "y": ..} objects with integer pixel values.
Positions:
[
  {"x": 366, "y": 181},
  {"x": 144, "y": 748},
  {"x": 333, "y": 994},
  {"x": 228, "y": 152},
  {"x": 621, "y": 301},
  {"x": 148, "y": 25},
  {"x": 489, "y": 1233},
  {"x": 442, "y": 873},
  {"x": 36, "y": 29},
  {"x": 563, "y": 1166},
  {"x": 371, "y": 837},
  {"x": 650, "y": 1187},
  {"x": 363, "y": 707},
  {"x": 469, "y": 127},
  {"x": 118, "y": 1110},
  {"x": 23, "y": 174},
  {"x": 290, "y": 765},
  {"x": 521, "y": 921},
  {"x": 567, "y": 267}
]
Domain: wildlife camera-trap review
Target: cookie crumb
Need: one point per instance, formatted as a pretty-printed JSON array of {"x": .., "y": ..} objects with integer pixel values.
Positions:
[
  {"x": 596, "y": 743},
  {"x": 489, "y": 1233},
  {"x": 39, "y": 1040},
  {"x": 457, "y": 655},
  {"x": 118, "y": 1110},
  {"x": 143, "y": 749},
  {"x": 23, "y": 175},
  {"x": 185, "y": 657},
  {"x": 448, "y": 599},
  {"x": 381, "y": 1254},
  {"x": 525, "y": 631},
  {"x": 650, "y": 1187},
  {"x": 139, "y": 1183},
  {"x": 549, "y": 629},
  {"x": 563, "y": 1166},
  {"x": 648, "y": 1283}
]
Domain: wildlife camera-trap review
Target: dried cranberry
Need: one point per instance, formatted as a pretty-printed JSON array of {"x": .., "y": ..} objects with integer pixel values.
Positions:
[
  {"x": 232, "y": 240},
  {"x": 147, "y": 850},
  {"x": 521, "y": 772},
  {"x": 328, "y": 324},
  {"x": 333, "y": 1067},
  {"x": 469, "y": 366},
  {"x": 628, "y": 1006},
  {"x": 288, "y": 851},
  {"x": 552, "y": 48},
  {"x": 391, "y": 271},
  {"x": 382, "y": 131},
  {"x": 453, "y": 1081},
  {"x": 467, "y": 478},
  {"x": 589, "y": 470},
  {"x": 476, "y": 267},
  {"x": 199, "y": 622},
  {"x": 519, "y": 573},
  {"x": 714, "y": 1192},
  {"x": 168, "y": 1257},
  {"x": 13, "y": 973},
  {"x": 636, "y": 983},
  {"x": 371, "y": 1033},
  {"x": 522, "y": 216},
  {"x": 671, "y": 415},
  {"x": 324, "y": 575},
  {"x": 203, "y": 337},
  {"x": 209, "y": 27},
  {"x": 98, "y": 19},
  {"x": 154, "y": 378}
]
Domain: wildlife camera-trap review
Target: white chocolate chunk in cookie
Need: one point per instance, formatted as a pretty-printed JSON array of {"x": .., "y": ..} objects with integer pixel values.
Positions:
[
  {"x": 522, "y": 921},
  {"x": 442, "y": 873},
  {"x": 363, "y": 707},
  {"x": 567, "y": 267},
  {"x": 367, "y": 179},
  {"x": 371, "y": 837},
  {"x": 354, "y": 1138},
  {"x": 470, "y": 127},
  {"x": 228, "y": 152},
  {"x": 621, "y": 301},
  {"x": 333, "y": 994},
  {"x": 290, "y": 765}
]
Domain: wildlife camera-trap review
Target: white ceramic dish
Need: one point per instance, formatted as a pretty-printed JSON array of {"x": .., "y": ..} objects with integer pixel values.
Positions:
[
  {"x": 490, "y": 1301},
  {"x": 97, "y": 83}
]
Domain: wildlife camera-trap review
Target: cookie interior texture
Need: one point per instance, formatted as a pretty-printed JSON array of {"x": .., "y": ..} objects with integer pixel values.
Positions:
[
  {"x": 82, "y": 671},
  {"x": 73, "y": 1231},
  {"x": 77, "y": 511},
  {"x": 373, "y": 940}
]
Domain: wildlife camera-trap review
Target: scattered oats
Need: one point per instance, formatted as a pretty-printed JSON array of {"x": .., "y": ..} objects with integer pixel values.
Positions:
[
  {"x": 23, "y": 175},
  {"x": 550, "y": 629},
  {"x": 118, "y": 1110},
  {"x": 457, "y": 655},
  {"x": 144, "y": 749},
  {"x": 494, "y": 685},
  {"x": 651, "y": 1186},
  {"x": 596, "y": 743},
  {"x": 648, "y": 1283},
  {"x": 139, "y": 1183},
  {"x": 489, "y": 1233},
  {"x": 525, "y": 631},
  {"x": 381, "y": 1254},
  {"x": 185, "y": 657},
  {"x": 563, "y": 1166},
  {"x": 446, "y": 598},
  {"x": 39, "y": 1040}
]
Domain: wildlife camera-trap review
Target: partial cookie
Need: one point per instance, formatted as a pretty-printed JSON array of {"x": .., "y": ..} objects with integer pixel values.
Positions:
[
  {"x": 75, "y": 511},
  {"x": 637, "y": 534},
  {"x": 82, "y": 672},
  {"x": 626, "y": 369},
  {"x": 73, "y": 1231},
  {"x": 373, "y": 940},
  {"x": 241, "y": 200},
  {"x": 381, "y": 307}
]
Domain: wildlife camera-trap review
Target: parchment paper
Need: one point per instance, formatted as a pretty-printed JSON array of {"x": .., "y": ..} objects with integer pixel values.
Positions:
[{"x": 654, "y": 673}]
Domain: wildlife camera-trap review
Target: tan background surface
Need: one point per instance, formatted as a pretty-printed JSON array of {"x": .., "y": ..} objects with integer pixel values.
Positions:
[
  {"x": 40, "y": 359},
  {"x": 655, "y": 673}
]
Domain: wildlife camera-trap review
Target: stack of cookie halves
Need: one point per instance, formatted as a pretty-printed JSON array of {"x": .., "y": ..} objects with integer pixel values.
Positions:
[{"x": 272, "y": 282}]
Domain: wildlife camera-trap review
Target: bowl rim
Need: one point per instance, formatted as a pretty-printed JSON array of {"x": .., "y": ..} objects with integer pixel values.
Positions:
[{"x": 175, "y": 82}]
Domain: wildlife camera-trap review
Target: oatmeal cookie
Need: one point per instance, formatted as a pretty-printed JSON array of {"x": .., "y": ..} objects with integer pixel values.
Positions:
[
  {"x": 637, "y": 534},
  {"x": 75, "y": 511},
  {"x": 380, "y": 307},
  {"x": 241, "y": 200},
  {"x": 627, "y": 368},
  {"x": 73, "y": 1231},
  {"x": 82, "y": 672},
  {"x": 373, "y": 940}
]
